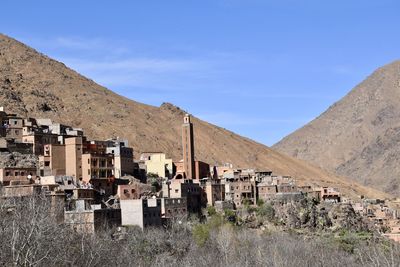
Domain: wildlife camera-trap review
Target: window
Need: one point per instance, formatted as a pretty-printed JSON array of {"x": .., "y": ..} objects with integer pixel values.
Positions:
[
  {"x": 133, "y": 191},
  {"x": 17, "y": 132},
  {"x": 88, "y": 171},
  {"x": 7, "y": 173},
  {"x": 22, "y": 173},
  {"x": 16, "y": 174},
  {"x": 176, "y": 190},
  {"x": 47, "y": 163}
]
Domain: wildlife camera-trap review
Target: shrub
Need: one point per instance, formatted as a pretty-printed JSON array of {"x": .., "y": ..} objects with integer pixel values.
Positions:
[
  {"x": 201, "y": 233},
  {"x": 266, "y": 211}
]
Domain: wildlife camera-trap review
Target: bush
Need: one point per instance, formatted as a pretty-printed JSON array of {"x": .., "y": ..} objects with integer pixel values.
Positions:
[
  {"x": 201, "y": 233},
  {"x": 266, "y": 211},
  {"x": 211, "y": 211}
]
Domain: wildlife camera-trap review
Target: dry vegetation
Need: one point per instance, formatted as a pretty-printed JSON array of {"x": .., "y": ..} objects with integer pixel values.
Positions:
[{"x": 30, "y": 237}]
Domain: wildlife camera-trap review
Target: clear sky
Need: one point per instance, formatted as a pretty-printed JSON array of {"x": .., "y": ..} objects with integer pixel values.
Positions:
[{"x": 257, "y": 67}]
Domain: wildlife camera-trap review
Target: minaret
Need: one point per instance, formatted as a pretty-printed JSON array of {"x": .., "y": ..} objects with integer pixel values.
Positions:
[{"x": 188, "y": 147}]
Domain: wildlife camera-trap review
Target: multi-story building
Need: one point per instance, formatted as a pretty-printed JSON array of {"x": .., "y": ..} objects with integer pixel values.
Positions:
[
  {"x": 158, "y": 164},
  {"x": 10, "y": 174},
  {"x": 184, "y": 188},
  {"x": 266, "y": 191},
  {"x": 97, "y": 166},
  {"x": 73, "y": 156},
  {"x": 123, "y": 157},
  {"x": 38, "y": 137},
  {"x": 174, "y": 208},
  {"x": 53, "y": 161},
  {"x": 214, "y": 191},
  {"x": 242, "y": 192}
]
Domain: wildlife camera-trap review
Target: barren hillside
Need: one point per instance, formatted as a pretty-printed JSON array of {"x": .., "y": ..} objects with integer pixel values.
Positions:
[
  {"x": 359, "y": 136},
  {"x": 32, "y": 84}
]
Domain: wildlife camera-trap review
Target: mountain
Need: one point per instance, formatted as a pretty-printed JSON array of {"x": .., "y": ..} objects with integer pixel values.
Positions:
[
  {"x": 359, "y": 136},
  {"x": 31, "y": 84}
]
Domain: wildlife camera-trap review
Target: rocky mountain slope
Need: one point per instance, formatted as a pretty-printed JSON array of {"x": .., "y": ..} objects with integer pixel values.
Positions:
[
  {"x": 359, "y": 136},
  {"x": 31, "y": 84}
]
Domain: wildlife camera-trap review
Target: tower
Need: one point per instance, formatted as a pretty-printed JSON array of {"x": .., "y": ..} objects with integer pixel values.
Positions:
[{"x": 188, "y": 147}]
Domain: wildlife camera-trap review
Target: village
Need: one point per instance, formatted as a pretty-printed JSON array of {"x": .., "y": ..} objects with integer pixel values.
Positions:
[{"x": 97, "y": 183}]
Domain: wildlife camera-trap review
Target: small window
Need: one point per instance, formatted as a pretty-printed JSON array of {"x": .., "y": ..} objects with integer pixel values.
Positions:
[
  {"x": 22, "y": 173},
  {"x": 133, "y": 191},
  {"x": 16, "y": 174},
  {"x": 47, "y": 163},
  {"x": 8, "y": 173},
  {"x": 176, "y": 190}
]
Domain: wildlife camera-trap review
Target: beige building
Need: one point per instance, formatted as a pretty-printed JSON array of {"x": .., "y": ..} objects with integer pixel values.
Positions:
[
  {"x": 158, "y": 164},
  {"x": 52, "y": 162},
  {"x": 141, "y": 212},
  {"x": 184, "y": 188},
  {"x": 97, "y": 166},
  {"x": 123, "y": 157},
  {"x": 73, "y": 156},
  {"x": 38, "y": 140},
  {"x": 214, "y": 191},
  {"x": 9, "y": 174}
]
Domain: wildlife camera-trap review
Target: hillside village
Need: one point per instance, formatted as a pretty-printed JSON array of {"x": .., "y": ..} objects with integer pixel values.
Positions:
[{"x": 93, "y": 183}]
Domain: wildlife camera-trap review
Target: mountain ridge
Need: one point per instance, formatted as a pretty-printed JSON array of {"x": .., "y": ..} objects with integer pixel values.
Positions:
[
  {"x": 32, "y": 84},
  {"x": 359, "y": 135}
]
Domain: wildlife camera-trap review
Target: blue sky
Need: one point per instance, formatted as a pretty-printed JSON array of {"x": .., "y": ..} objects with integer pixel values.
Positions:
[{"x": 257, "y": 67}]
